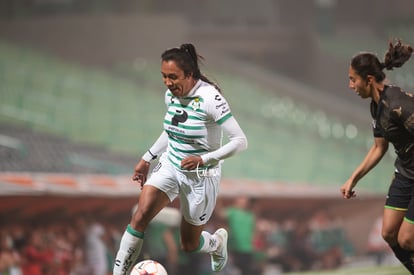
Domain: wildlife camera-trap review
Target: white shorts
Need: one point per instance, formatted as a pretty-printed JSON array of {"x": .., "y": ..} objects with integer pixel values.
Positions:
[{"x": 197, "y": 191}]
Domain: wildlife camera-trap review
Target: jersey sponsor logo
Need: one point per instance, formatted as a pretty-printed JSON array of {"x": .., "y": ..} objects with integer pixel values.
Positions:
[
  {"x": 221, "y": 105},
  {"x": 217, "y": 97},
  {"x": 186, "y": 140},
  {"x": 180, "y": 116},
  {"x": 225, "y": 110},
  {"x": 175, "y": 129}
]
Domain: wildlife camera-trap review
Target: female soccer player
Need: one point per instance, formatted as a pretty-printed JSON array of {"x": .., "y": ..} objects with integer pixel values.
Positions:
[
  {"x": 392, "y": 110},
  {"x": 190, "y": 153}
]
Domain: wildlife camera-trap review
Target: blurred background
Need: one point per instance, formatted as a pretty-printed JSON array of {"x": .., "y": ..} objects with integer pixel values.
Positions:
[{"x": 81, "y": 99}]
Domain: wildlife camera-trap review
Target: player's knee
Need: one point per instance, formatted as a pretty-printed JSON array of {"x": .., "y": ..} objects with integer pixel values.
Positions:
[
  {"x": 406, "y": 244},
  {"x": 390, "y": 236},
  {"x": 406, "y": 241},
  {"x": 140, "y": 220}
]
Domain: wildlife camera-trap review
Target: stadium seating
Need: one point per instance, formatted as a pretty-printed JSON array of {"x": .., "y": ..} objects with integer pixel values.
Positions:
[{"x": 288, "y": 141}]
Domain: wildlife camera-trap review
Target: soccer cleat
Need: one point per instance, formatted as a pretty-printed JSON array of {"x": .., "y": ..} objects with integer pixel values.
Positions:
[{"x": 219, "y": 257}]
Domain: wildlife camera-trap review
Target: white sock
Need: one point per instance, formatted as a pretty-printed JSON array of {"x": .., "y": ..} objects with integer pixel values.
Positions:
[
  {"x": 209, "y": 242},
  {"x": 129, "y": 250}
]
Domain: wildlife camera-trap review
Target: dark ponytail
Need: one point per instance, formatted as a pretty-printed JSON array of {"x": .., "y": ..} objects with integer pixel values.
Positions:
[
  {"x": 187, "y": 59},
  {"x": 366, "y": 64},
  {"x": 397, "y": 55}
]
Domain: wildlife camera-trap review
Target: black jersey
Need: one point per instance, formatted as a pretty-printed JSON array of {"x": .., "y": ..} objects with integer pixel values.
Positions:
[{"x": 394, "y": 120}]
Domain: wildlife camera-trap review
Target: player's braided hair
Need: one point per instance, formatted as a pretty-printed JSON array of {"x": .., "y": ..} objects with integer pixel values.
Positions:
[
  {"x": 366, "y": 63},
  {"x": 187, "y": 59}
]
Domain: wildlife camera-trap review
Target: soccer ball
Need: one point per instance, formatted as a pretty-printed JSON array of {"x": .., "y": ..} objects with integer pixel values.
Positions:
[{"x": 148, "y": 267}]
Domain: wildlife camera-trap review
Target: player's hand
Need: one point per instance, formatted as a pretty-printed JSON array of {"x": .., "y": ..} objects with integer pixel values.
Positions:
[
  {"x": 192, "y": 162},
  {"x": 141, "y": 172},
  {"x": 347, "y": 190}
]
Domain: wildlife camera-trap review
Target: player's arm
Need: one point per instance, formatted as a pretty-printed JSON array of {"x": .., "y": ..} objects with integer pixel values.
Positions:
[
  {"x": 157, "y": 148},
  {"x": 237, "y": 142},
  {"x": 143, "y": 165},
  {"x": 373, "y": 157}
]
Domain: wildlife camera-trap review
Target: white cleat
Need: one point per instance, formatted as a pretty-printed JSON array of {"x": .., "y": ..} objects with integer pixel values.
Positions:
[{"x": 219, "y": 257}]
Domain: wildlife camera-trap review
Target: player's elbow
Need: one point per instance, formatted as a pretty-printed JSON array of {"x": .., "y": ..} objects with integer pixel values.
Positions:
[
  {"x": 245, "y": 144},
  {"x": 242, "y": 143}
]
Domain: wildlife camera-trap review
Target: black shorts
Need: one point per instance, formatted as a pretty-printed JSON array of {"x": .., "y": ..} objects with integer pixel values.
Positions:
[{"x": 401, "y": 196}]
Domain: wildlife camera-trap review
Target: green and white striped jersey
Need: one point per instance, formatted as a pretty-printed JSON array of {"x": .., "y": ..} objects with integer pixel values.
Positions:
[{"x": 193, "y": 122}]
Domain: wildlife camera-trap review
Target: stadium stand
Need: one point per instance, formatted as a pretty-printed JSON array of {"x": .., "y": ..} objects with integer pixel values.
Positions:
[
  {"x": 25, "y": 150},
  {"x": 70, "y": 135},
  {"x": 95, "y": 107}
]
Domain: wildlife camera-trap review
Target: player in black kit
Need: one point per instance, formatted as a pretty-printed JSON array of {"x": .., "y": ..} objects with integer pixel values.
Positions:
[{"x": 392, "y": 110}]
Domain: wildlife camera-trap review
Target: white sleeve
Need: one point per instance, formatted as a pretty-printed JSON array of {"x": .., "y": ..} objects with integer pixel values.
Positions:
[
  {"x": 237, "y": 142},
  {"x": 157, "y": 148}
]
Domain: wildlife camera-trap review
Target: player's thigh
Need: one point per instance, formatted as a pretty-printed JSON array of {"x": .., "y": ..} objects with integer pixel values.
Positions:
[
  {"x": 392, "y": 220},
  {"x": 406, "y": 234},
  {"x": 198, "y": 196},
  {"x": 158, "y": 191},
  {"x": 150, "y": 203},
  {"x": 396, "y": 207},
  {"x": 164, "y": 178}
]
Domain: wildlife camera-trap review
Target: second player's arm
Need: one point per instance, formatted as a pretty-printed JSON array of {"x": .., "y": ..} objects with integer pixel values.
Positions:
[{"x": 373, "y": 157}]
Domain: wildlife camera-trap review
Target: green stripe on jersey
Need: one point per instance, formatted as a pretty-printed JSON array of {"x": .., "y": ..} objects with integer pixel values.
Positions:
[
  {"x": 177, "y": 140},
  {"x": 185, "y": 126},
  {"x": 175, "y": 156},
  {"x": 185, "y": 107},
  {"x": 175, "y": 164},
  {"x": 182, "y": 135},
  {"x": 223, "y": 119},
  {"x": 187, "y": 97},
  {"x": 188, "y": 151},
  {"x": 190, "y": 117}
]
